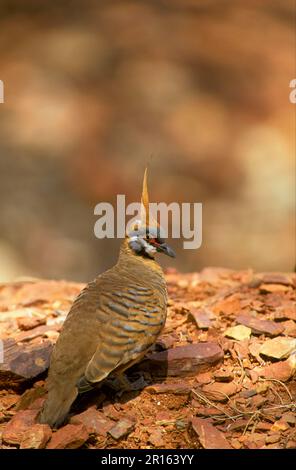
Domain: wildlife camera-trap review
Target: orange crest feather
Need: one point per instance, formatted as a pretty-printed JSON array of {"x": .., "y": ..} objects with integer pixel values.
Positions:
[{"x": 145, "y": 202}]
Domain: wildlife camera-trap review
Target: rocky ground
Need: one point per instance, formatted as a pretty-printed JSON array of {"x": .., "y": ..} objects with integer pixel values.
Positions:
[{"x": 220, "y": 375}]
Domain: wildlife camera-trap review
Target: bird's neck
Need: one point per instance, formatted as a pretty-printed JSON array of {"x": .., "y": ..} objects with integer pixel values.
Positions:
[{"x": 127, "y": 254}]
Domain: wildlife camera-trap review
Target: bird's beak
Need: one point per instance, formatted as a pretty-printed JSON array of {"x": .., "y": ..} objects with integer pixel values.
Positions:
[{"x": 167, "y": 250}]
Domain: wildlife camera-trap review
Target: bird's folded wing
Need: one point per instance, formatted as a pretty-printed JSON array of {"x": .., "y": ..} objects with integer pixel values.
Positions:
[{"x": 101, "y": 364}]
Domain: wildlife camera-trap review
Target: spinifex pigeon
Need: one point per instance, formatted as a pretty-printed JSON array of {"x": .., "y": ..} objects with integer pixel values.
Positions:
[{"x": 113, "y": 321}]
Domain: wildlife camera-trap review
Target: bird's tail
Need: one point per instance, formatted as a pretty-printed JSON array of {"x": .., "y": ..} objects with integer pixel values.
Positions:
[{"x": 57, "y": 405}]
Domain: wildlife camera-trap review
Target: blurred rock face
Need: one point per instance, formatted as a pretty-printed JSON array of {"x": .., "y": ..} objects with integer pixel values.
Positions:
[{"x": 93, "y": 94}]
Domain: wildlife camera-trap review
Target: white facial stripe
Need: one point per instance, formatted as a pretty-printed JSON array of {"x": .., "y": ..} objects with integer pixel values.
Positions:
[{"x": 148, "y": 248}]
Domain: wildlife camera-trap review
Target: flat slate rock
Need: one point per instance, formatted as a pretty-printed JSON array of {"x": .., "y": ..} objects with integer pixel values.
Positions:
[
  {"x": 276, "y": 278},
  {"x": 220, "y": 391},
  {"x": 70, "y": 436},
  {"x": 282, "y": 370},
  {"x": 23, "y": 362},
  {"x": 184, "y": 360},
  {"x": 122, "y": 428},
  {"x": 209, "y": 436},
  {"x": 202, "y": 317},
  {"x": 36, "y": 437},
  {"x": 21, "y": 422},
  {"x": 259, "y": 326},
  {"x": 94, "y": 421},
  {"x": 176, "y": 388}
]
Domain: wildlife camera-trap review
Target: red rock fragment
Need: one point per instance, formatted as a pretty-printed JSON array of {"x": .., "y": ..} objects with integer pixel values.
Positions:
[
  {"x": 111, "y": 412},
  {"x": 36, "y": 437},
  {"x": 263, "y": 426},
  {"x": 248, "y": 393},
  {"x": 236, "y": 444},
  {"x": 242, "y": 349},
  {"x": 122, "y": 428},
  {"x": 271, "y": 446},
  {"x": 276, "y": 278},
  {"x": 280, "y": 425},
  {"x": 223, "y": 375},
  {"x": 220, "y": 391},
  {"x": 27, "y": 323},
  {"x": 24, "y": 362},
  {"x": 290, "y": 328},
  {"x": 202, "y": 317},
  {"x": 94, "y": 421},
  {"x": 291, "y": 444},
  {"x": 167, "y": 341},
  {"x": 206, "y": 411},
  {"x": 253, "y": 375},
  {"x": 204, "y": 378},
  {"x": 228, "y": 306},
  {"x": 283, "y": 370},
  {"x": 170, "y": 270},
  {"x": 183, "y": 360},
  {"x": 46, "y": 291},
  {"x": 254, "y": 349},
  {"x": 260, "y": 326},
  {"x": 209, "y": 436},
  {"x": 258, "y": 401},
  {"x": 21, "y": 422},
  {"x": 156, "y": 438},
  {"x": 69, "y": 437},
  {"x": 272, "y": 300},
  {"x": 163, "y": 416},
  {"x": 289, "y": 417},
  {"x": 213, "y": 275},
  {"x": 253, "y": 440},
  {"x": 38, "y": 331},
  {"x": 274, "y": 288},
  {"x": 285, "y": 312},
  {"x": 176, "y": 388},
  {"x": 239, "y": 424},
  {"x": 8, "y": 401},
  {"x": 273, "y": 438}
]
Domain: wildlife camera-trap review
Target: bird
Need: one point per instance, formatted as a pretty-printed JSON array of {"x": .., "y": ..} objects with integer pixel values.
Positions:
[{"x": 113, "y": 322}]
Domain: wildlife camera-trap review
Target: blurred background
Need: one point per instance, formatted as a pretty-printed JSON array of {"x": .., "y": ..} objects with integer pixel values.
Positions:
[{"x": 96, "y": 89}]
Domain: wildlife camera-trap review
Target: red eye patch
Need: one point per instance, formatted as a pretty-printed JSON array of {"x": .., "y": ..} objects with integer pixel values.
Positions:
[{"x": 153, "y": 241}]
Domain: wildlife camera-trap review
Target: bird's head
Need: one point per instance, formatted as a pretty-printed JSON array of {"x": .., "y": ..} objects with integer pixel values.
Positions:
[
  {"x": 148, "y": 242},
  {"x": 144, "y": 237}
]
